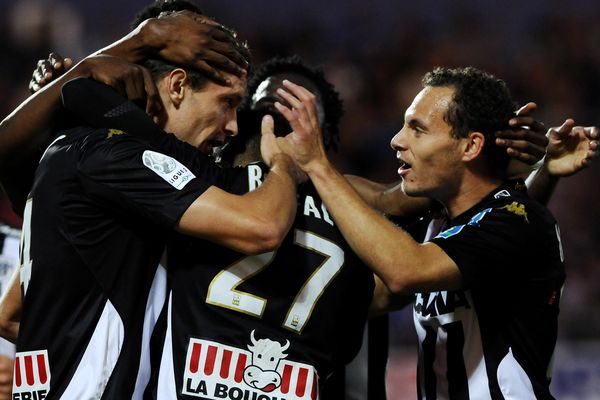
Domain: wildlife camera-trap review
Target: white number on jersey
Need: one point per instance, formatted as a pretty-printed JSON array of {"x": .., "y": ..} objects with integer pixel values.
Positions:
[
  {"x": 222, "y": 290},
  {"x": 26, "y": 261}
]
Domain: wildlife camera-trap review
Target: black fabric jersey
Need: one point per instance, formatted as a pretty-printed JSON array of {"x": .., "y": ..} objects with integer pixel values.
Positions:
[
  {"x": 266, "y": 326},
  {"x": 94, "y": 229},
  {"x": 495, "y": 339}
]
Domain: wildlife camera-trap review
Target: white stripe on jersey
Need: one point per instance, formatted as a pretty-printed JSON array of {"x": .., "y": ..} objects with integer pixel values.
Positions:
[
  {"x": 99, "y": 359},
  {"x": 9, "y": 259},
  {"x": 166, "y": 389},
  {"x": 513, "y": 380},
  {"x": 156, "y": 301}
]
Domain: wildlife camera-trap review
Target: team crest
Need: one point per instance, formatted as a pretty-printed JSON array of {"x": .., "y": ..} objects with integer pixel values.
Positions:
[{"x": 217, "y": 371}]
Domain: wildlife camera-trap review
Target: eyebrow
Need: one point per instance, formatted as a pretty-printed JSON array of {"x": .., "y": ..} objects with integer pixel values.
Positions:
[
  {"x": 233, "y": 96},
  {"x": 414, "y": 123}
]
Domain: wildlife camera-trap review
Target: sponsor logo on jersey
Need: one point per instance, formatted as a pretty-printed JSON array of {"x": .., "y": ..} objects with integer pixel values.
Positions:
[
  {"x": 474, "y": 221},
  {"x": 502, "y": 193},
  {"x": 114, "y": 132},
  {"x": 168, "y": 168},
  {"x": 217, "y": 371},
  {"x": 517, "y": 209},
  {"x": 440, "y": 303},
  {"x": 32, "y": 375}
]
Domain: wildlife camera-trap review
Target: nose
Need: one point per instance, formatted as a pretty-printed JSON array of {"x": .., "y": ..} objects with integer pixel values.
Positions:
[
  {"x": 231, "y": 126},
  {"x": 397, "y": 143}
]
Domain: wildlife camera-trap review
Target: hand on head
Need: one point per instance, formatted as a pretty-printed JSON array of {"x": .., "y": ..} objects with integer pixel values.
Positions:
[{"x": 305, "y": 142}]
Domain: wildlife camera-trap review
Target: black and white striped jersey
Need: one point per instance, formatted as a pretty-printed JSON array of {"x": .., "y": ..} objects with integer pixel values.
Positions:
[
  {"x": 495, "y": 339},
  {"x": 95, "y": 226},
  {"x": 267, "y": 326}
]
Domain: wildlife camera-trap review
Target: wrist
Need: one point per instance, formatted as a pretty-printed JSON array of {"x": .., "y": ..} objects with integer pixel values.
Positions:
[
  {"x": 318, "y": 168},
  {"x": 283, "y": 164}
]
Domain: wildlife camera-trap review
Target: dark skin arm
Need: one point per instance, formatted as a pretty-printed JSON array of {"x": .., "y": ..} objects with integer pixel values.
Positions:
[{"x": 29, "y": 128}]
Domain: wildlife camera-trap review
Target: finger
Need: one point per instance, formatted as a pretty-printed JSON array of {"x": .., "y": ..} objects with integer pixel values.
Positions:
[
  {"x": 527, "y": 109},
  {"x": 527, "y": 121},
  {"x": 299, "y": 91},
  {"x": 288, "y": 114},
  {"x": 56, "y": 60},
  {"x": 521, "y": 146},
  {"x": 292, "y": 100},
  {"x": 68, "y": 63},
  {"x": 566, "y": 127},
  {"x": 267, "y": 125},
  {"x": 302, "y": 118},
  {"x": 522, "y": 156},
  {"x": 525, "y": 135},
  {"x": 223, "y": 58},
  {"x": 309, "y": 101},
  {"x": 135, "y": 87},
  {"x": 225, "y": 44},
  {"x": 153, "y": 102},
  {"x": 212, "y": 73},
  {"x": 591, "y": 132},
  {"x": 37, "y": 76}
]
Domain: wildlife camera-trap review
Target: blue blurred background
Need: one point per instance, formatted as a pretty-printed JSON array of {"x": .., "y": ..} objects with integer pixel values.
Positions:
[{"x": 375, "y": 53}]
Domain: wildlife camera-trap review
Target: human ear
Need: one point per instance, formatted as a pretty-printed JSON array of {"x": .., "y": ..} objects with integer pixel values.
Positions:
[
  {"x": 473, "y": 146},
  {"x": 176, "y": 83}
]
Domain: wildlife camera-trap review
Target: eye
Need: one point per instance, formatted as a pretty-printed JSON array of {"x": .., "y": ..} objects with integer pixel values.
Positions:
[{"x": 260, "y": 356}]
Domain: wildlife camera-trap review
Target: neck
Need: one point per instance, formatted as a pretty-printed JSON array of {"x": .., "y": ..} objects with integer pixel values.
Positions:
[{"x": 471, "y": 191}]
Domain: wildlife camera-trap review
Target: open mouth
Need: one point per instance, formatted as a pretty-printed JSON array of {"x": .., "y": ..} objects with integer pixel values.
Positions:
[
  {"x": 404, "y": 169},
  {"x": 208, "y": 146}
]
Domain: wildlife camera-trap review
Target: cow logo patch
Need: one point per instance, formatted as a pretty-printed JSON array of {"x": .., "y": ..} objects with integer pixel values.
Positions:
[
  {"x": 32, "y": 375},
  {"x": 168, "y": 168},
  {"x": 217, "y": 371}
]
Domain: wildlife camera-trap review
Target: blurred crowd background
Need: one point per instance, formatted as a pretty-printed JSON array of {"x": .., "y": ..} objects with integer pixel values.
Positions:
[{"x": 376, "y": 52}]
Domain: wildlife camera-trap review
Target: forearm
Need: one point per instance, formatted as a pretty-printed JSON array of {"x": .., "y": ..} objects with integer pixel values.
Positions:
[
  {"x": 381, "y": 245},
  {"x": 541, "y": 185},
  {"x": 253, "y": 223},
  {"x": 136, "y": 46},
  {"x": 278, "y": 195},
  {"x": 384, "y": 301},
  {"x": 388, "y": 198}
]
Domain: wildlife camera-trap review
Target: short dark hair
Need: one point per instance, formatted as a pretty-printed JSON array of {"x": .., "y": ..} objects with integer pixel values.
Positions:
[
  {"x": 332, "y": 103},
  {"x": 159, "y": 6},
  {"x": 159, "y": 68},
  {"x": 481, "y": 103}
]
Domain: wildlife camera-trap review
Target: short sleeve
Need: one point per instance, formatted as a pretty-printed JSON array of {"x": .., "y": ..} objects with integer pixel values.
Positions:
[
  {"x": 129, "y": 175},
  {"x": 491, "y": 247}
]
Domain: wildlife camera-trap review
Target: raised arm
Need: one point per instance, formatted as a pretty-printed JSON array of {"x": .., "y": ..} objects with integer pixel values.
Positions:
[
  {"x": 405, "y": 265},
  {"x": 571, "y": 149},
  {"x": 206, "y": 47}
]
